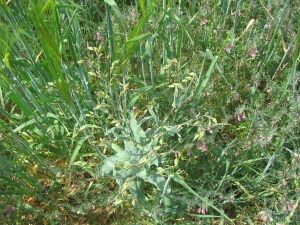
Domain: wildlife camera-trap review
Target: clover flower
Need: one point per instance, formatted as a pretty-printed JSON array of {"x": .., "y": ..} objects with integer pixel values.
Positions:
[
  {"x": 241, "y": 116},
  {"x": 98, "y": 36},
  {"x": 204, "y": 21},
  {"x": 9, "y": 210},
  {"x": 202, "y": 146},
  {"x": 228, "y": 47},
  {"x": 252, "y": 52},
  {"x": 202, "y": 209}
]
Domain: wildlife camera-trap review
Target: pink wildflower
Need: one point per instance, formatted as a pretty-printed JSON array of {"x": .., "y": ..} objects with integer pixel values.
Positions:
[
  {"x": 202, "y": 209},
  {"x": 9, "y": 210},
  {"x": 202, "y": 145},
  {"x": 228, "y": 47},
  {"x": 231, "y": 199},
  {"x": 288, "y": 206},
  {"x": 210, "y": 129},
  {"x": 134, "y": 108},
  {"x": 98, "y": 36},
  {"x": 133, "y": 13},
  {"x": 297, "y": 156},
  {"x": 253, "y": 52},
  {"x": 264, "y": 216},
  {"x": 236, "y": 96},
  {"x": 180, "y": 12},
  {"x": 241, "y": 116},
  {"x": 204, "y": 21}
]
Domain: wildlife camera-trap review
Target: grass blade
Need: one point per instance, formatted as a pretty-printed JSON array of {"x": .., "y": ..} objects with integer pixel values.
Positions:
[
  {"x": 201, "y": 87},
  {"x": 179, "y": 180}
]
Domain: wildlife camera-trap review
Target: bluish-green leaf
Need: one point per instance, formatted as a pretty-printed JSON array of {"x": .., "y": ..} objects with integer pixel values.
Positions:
[{"x": 138, "y": 133}]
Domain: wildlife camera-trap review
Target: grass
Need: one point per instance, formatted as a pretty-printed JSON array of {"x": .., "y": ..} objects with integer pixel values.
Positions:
[{"x": 149, "y": 112}]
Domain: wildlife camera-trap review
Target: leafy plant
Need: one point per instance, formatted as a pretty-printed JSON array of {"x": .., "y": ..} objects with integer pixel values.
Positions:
[{"x": 167, "y": 112}]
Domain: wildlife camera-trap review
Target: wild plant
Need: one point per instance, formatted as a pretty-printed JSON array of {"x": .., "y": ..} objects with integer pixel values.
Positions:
[{"x": 171, "y": 112}]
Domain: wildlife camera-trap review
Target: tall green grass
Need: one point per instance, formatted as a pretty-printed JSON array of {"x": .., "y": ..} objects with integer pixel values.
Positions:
[{"x": 176, "y": 110}]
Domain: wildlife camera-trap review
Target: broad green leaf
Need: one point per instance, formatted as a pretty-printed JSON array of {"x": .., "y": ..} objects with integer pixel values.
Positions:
[
  {"x": 56, "y": 151},
  {"x": 138, "y": 133},
  {"x": 155, "y": 117},
  {"x": 90, "y": 104},
  {"x": 128, "y": 173},
  {"x": 132, "y": 102},
  {"x": 107, "y": 168},
  {"x": 157, "y": 180},
  {"x": 129, "y": 147},
  {"x": 32, "y": 121},
  {"x": 168, "y": 201},
  {"x": 76, "y": 151},
  {"x": 120, "y": 157},
  {"x": 116, "y": 147},
  {"x": 175, "y": 98},
  {"x": 20, "y": 102},
  {"x": 136, "y": 188},
  {"x": 138, "y": 38},
  {"x": 201, "y": 87}
]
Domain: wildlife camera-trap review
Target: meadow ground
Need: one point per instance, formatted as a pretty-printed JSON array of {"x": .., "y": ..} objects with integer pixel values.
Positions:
[{"x": 149, "y": 112}]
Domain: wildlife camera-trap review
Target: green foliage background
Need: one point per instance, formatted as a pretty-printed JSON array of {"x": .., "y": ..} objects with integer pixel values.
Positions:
[{"x": 168, "y": 112}]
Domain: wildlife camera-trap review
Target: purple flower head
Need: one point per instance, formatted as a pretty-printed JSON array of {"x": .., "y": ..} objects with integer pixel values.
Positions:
[
  {"x": 204, "y": 21},
  {"x": 202, "y": 146},
  {"x": 239, "y": 12},
  {"x": 202, "y": 209},
  {"x": 210, "y": 129},
  {"x": 133, "y": 13},
  {"x": 241, "y": 116},
  {"x": 297, "y": 156},
  {"x": 288, "y": 206},
  {"x": 98, "y": 36},
  {"x": 228, "y": 47},
  {"x": 180, "y": 12},
  {"x": 231, "y": 199},
  {"x": 264, "y": 216},
  {"x": 134, "y": 108},
  {"x": 236, "y": 96},
  {"x": 253, "y": 52},
  {"x": 9, "y": 210}
]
